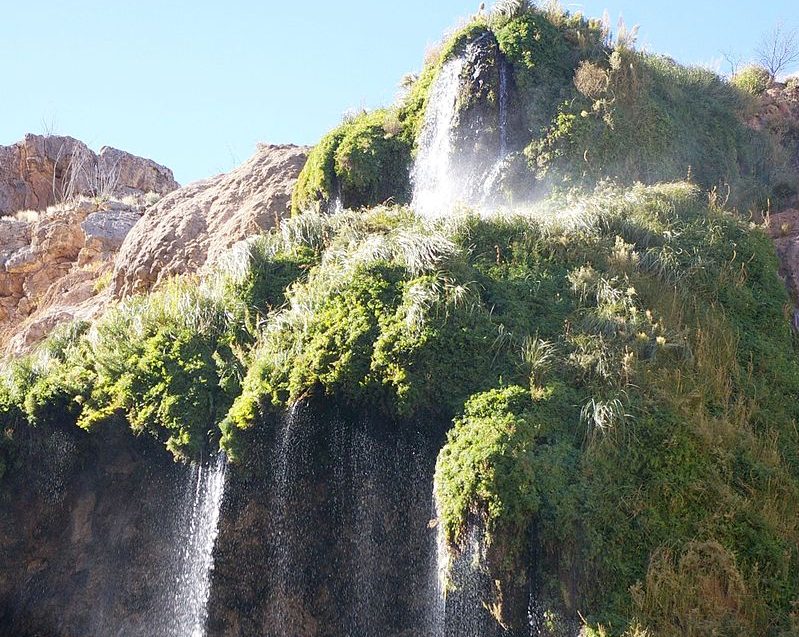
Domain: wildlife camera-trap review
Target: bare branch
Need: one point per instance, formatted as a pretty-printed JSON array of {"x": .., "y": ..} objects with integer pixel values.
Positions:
[
  {"x": 778, "y": 49},
  {"x": 733, "y": 60}
]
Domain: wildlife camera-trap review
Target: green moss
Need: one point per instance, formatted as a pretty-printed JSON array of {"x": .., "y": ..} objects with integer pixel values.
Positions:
[
  {"x": 372, "y": 162},
  {"x": 659, "y": 121},
  {"x": 498, "y": 467},
  {"x": 317, "y": 181},
  {"x": 364, "y": 162},
  {"x": 543, "y": 63}
]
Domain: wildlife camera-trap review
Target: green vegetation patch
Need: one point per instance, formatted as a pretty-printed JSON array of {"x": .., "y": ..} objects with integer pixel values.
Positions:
[{"x": 364, "y": 162}]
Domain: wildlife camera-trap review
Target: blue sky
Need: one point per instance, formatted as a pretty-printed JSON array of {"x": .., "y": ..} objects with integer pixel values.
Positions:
[{"x": 195, "y": 84}]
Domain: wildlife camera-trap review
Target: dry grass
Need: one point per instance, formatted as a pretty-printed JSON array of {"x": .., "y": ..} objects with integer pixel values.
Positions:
[{"x": 697, "y": 592}]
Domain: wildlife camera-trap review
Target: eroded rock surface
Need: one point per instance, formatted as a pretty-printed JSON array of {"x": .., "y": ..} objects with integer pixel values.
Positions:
[
  {"x": 53, "y": 264},
  {"x": 197, "y": 223},
  {"x": 40, "y": 171}
]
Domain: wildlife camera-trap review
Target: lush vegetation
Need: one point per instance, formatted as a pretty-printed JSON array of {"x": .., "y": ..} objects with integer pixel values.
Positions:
[
  {"x": 364, "y": 162},
  {"x": 621, "y": 377},
  {"x": 169, "y": 363},
  {"x": 752, "y": 79},
  {"x": 616, "y": 358},
  {"x": 586, "y": 106}
]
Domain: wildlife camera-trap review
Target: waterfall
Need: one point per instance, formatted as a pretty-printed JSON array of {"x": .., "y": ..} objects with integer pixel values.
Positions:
[
  {"x": 503, "y": 109},
  {"x": 348, "y": 525},
  {"x": 441, "y": 180},
  {"x": 434, "y": 188},
  {"x": 439, "y": 566},
  {"x": 286, "y": 461},
  {"x": 200, "y": 527},
  {"x": 488, "y": 191}
]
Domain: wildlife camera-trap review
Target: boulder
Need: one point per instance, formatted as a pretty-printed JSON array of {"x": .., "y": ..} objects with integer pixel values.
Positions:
[
  {"x": 104, "y": 232},
  {"x": 134, "y": 174},
  {"x": 783, "y": 227},
  {"x": 51, "y": 264},
  {"x": 193, "y": 226}
]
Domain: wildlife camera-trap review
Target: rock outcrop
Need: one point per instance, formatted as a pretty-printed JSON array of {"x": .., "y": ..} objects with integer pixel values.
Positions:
[
  {"x": 783, "y": 228},
  {"x": 40, "y": 171},
  {"x": 52, "y": 265},
  {"x": 87, "y": 539},
  {"x": 194, "y": 225}
]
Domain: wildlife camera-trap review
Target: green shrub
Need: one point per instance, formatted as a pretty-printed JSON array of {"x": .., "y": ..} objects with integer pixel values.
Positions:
[
  {"x": 753, "y": 80},
  {"x": 658, "y": 121},
  {"x": 364, "y": 162},
  {"x": 372, "y": 162}
]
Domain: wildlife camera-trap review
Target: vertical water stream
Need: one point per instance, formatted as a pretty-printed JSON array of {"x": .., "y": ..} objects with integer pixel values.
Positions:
[
  {"x": 197, "y": 535},
  {"x": 434, "y": 189}
]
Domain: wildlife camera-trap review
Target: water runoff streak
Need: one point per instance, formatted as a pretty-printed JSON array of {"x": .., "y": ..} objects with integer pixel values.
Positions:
[
  {"x": 441, "y": 181},
  {"x": 458, "y": 583},
  {"x": 434, "y": 189},
  {"x": 200, "y": 527}
]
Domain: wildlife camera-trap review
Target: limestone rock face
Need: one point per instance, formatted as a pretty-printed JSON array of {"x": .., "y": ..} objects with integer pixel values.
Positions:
[
  {"x": 134, "y": 174},
  {"x": 194, "y": 225},
  {"x": 51, "y": 262},
  {"x": 40, "y": 171},
  {"x": 105, "y": 231}
]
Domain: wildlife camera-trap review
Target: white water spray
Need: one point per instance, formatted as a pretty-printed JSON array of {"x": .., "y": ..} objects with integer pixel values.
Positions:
[
  {"x": 434, "y": 189},
  {"x": 503, "y": 110},
  {"x": 441, "y": 180},
  {"x": 439, "y": 567},
  {"x": 193, "y": 586}
]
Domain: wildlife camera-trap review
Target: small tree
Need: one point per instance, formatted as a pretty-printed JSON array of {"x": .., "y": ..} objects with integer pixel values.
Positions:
[{"x": 778, "y": 49}]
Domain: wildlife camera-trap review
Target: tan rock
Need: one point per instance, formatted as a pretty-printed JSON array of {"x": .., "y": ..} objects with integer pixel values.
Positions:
[
  {"x": 104, "y": 233},
  {"x": 194, "y": 225},
  {"x": 134, "y": 174},
  {"x": 23, "y": 261},
  {"x": 40, "y": 171},
  {"x": 49, "y": 267}
]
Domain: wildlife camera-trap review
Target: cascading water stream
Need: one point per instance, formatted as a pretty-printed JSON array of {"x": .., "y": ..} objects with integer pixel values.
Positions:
[
  {"x": 503, "y": 109},
  {"x": 488, "y": 192},
  {"x": 434, "y": 189},
  {"x": 439, "y": 565},
  {"x": 283, "y": 519},
  {"x": 441, "y": 180},
  {"x": 192, "y": 587}
]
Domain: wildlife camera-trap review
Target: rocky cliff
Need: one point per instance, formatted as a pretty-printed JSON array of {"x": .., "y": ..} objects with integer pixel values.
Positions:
[
  {"x": 339, "y": 545},
  {"x": 605, "y": 379},
  {"x": 196, "y": 224},
  {"x": 55, "y": 264},
  {"x": 42, "y": 170},
  {"x": 69, "y": 260}
]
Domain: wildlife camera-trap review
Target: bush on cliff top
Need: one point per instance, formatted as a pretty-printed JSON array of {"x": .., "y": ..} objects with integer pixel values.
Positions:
[{"x": 364, "y": 162}]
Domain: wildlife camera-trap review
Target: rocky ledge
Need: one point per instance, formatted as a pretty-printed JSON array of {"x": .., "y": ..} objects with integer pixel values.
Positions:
[
  {"x": 194, "y": 225},
  {"x": 56, "y": 264}
]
